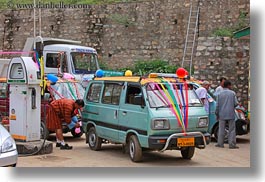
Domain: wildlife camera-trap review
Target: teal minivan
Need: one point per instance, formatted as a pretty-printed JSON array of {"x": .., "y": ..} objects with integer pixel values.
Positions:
[{"x": 144, "y": 114}]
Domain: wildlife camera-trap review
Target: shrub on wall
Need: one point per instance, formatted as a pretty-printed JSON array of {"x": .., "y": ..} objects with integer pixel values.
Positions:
[
  {"x": 242, "y": 22},
  {"x": 142, "y": 67}
]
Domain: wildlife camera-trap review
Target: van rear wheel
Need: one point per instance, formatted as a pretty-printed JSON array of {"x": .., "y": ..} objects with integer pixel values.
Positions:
[
  {"x": 94, "y": 141},
  {"x": 135, "y": 149},
  {"x": 188, "y": 152}
]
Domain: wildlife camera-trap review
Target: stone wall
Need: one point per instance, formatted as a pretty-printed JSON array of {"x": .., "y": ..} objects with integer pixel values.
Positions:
[
  {"x": 216, "y": 57},
  {"x": 123, "y": 33}
]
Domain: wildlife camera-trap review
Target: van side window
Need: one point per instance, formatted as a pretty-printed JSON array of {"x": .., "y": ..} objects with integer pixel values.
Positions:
[
  {"x": 94, "y": 92},
  {"x": 134, "y": 95},
  {"x": 111, "y": 94}
]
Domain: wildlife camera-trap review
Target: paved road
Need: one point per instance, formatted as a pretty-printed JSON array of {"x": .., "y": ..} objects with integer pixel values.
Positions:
[{"x": 112, "y": 156}]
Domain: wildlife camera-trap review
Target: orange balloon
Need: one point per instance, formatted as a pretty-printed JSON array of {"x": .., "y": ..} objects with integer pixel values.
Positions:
[{"x": 181, "y": 72}]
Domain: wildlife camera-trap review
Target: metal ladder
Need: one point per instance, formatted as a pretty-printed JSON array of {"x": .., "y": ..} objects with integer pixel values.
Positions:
[{"x": 191, "y": 35}]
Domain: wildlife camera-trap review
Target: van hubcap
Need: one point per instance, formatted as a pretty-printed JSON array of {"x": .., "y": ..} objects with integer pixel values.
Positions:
[
  {"x": 92, "y": 139},
  {"x": 132, "y": 149}
]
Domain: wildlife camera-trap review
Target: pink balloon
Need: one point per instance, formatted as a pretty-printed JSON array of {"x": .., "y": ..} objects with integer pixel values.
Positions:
[{"x": 68, "y": 76}]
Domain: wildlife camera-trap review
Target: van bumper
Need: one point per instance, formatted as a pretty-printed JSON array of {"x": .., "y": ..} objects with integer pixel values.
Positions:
[{"x": 159, "y": 142}]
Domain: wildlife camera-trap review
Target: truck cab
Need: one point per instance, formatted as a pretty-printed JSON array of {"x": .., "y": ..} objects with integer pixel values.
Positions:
[{"x": 65, "y": 56}]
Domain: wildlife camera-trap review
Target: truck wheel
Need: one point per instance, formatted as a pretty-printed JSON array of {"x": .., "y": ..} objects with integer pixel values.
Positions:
[
  {"x": 135, "y": 149},
  {"x": 77, "y": 135},
  {"x": 188, "y": 152},
  {"x": 216, "y": 131},
  {"x": 44, "y": 132},
  {"x": 94, "y": 141}
]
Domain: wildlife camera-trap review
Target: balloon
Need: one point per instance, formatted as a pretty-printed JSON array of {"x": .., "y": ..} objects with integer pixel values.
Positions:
[
  {"x": 52, "y": 78},
  {"x": 68, "y": 76},
  {"x": 99, "y": 73},
  {"x": 128, "y": 73},
  {"x": 181, "y": 72}
]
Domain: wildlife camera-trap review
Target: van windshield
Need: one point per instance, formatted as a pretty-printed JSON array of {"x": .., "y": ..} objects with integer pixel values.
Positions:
[
  {"x": 162, "y": 95},
  {"x": 84, "y": 63}
]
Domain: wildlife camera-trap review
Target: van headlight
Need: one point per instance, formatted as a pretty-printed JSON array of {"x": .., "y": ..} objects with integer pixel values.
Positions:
[
  {"x": 160, "y": 124},
  {"x": 8, "y": 145},
  {"x": 203, "y": 122}
]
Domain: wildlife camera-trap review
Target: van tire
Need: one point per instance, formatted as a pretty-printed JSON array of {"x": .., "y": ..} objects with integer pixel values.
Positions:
[
  {"x": 135, "y": 150},
  {"x": 188, "y": 152},
  {"x": 94, "y": 141}
]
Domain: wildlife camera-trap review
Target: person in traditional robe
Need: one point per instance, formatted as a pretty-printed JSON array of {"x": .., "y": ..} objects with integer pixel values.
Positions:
[{"x": 62, "y": 110}]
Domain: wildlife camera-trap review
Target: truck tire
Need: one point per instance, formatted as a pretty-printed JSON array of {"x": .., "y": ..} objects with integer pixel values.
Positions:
[
  {"x": 135, "y": 150},
  {"x": 94, "y": 141}
]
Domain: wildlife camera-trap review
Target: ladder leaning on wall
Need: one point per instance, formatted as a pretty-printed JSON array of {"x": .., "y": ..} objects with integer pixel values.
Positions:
[{"x": 191, "y": 35}]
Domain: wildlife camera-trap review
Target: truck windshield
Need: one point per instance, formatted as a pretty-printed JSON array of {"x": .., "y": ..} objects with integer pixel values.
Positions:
[
  {"x": 160, "y": 95},
  {"x": 84, "y": 63}
]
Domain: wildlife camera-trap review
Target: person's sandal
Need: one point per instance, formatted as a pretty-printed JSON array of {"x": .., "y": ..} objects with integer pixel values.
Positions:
[{"x": 66, "y": 147}]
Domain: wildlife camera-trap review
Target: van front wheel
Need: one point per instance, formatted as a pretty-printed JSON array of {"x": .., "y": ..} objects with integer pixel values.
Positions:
[
  {"x": 188, "y": 152},
  {"x": 135, "y": 149},
  {"x": 94, "y": 141}
]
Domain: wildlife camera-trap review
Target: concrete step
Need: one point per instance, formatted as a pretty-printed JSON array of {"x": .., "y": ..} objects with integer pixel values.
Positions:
[{"x": 34, "y": 148}]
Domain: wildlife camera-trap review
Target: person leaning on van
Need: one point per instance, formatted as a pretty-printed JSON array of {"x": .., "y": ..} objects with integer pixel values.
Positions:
[
  {"x": 62, "y": 110},
  {"x": 202, "y": 94}
]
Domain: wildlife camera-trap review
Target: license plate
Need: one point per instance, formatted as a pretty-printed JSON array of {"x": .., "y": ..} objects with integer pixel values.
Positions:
[{"x": 185, "y": 142}]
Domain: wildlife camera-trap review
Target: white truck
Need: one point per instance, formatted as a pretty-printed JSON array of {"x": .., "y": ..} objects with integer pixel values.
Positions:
[
  {"x": 3, "y": 67},
  {"x": 61, "y": 56}
]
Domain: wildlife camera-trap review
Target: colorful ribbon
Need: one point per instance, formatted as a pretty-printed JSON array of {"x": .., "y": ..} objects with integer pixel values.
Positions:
[{"x": 173, "y": 99}]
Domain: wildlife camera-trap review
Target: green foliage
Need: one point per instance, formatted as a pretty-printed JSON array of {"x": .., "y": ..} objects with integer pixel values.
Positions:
[
  {"x": 242, "y": 22},
  {"x": 223, "y": 32},
  {"x": 142, "y": 67},
  {"x": 103, "y": 65},
  {"x": 121, "y": 19}
]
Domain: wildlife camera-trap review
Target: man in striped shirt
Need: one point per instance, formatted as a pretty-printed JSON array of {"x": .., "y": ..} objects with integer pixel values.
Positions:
[{"x": 62, "y": 110}]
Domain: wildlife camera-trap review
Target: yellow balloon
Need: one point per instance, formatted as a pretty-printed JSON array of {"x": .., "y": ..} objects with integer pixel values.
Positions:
[{"x": 128, "y": 73}]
